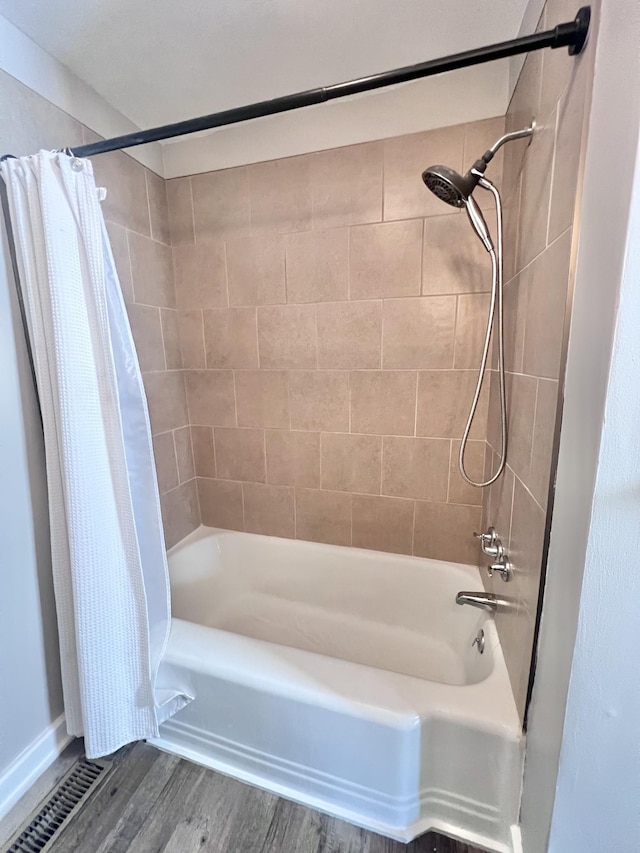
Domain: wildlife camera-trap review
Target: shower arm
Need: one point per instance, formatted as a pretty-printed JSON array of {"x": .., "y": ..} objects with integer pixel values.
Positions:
[{"x": 509, "y": 137}]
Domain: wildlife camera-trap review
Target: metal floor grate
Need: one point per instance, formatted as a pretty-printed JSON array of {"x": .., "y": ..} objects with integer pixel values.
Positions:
[{"x": 65, "y": 799}]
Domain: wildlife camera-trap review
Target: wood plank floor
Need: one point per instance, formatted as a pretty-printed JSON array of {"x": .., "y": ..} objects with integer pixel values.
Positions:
[{"x": 156, "y": 803}]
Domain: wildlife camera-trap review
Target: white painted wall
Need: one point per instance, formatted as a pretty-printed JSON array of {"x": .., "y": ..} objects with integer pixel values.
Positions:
[
  {"x": 597, "y": 803},
  {"x": 31, "y": 728},
  {"x": 614, "y": 129},
  {"x": 23, "y": 59}
]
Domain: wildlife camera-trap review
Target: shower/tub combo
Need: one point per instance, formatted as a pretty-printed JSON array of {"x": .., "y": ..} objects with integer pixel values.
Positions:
[{"x": 349, "y": 680}]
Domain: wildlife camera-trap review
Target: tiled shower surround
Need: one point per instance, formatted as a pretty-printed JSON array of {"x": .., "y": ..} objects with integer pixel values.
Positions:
[
  {"x": 331, "y": 312},
  {"x": 539, "y": 187},
  {"x": 309, "y": 331}
]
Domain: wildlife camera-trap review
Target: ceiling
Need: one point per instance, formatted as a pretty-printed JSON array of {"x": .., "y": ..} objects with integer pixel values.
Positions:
[{"x": 160, "y": 61}]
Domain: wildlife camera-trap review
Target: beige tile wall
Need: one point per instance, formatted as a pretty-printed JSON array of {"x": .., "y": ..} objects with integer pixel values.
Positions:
[
  {"x": 136, "y": 211},
  {"x": 330, "y": 312},
  {"x": 540, "y": 185}
]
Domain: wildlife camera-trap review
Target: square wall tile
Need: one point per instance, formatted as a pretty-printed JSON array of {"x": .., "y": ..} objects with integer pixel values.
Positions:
[
  {"x": 323, "y": 516},
  {"x": 516, "y": 296},
  {"x": 445, "y": 532},
  {"x": 147, "y": 336},
  {"x": 240, "y": 454},
  {"x": 281, "y": 195},
  {"x": 546, "y": 308},
  {"x": 269, "y": 510},
  {"x": 158, "y": 208},
  {"x": 256, "y": 270},
  {"x": 184, "y": 454},
  {"x": 166, "y": 400},
  {"x": 318, "y": 265},
  {"x": 444, "y": 400},
  {"x": 454, "y": 260},
  {"x": 211, "y": 397},
  {"x": 191, "y": 333},
  {"x": 180, "y": 207},
  {"x": 180, "y": 512},
  {"x": 405, "y": 159},
  {"x": 525, "y": 104},
  {"x": 126, "y": 202},
  {"x": 351, "y": 463},
  {"x": 386, "y": 259},
  {"x": 416, "y": 467},
  {"x": 221, "y": 207},
  {"x": 262, "y": 398},
  {"x": 231, "y": 338},
  {"x": 460, "y": 492},
  {"x": 200, "y": 275},
  {"x": 293, "y": 458},
  {"x": 120, "y": 249},
  {"x": 349, "y": 334},
  {"x": 204, "y": 458},
  {"x": 536, "y": 191},
  {"x": 471, "y": 329},
  {"x": 165, "y": 459},
  {"x": 383, "y": 402},
  {"x": 521, "y": 408},
  {"x": 171, "y": 338},
  {"x": 567, "y": 159},
  {"x": 382, "y": 524},
  {"x": 221, "y": 503},
  {"x": 287, "y": 336},
  {"x": 543, "y": 434},
  {"x": 526, "y": 547},
  {"x": 346, "y": 185},
  {"x": 319, "y": 400},
  {"x": 419, "y": 332},
  {"x": 152, "y": 272}
]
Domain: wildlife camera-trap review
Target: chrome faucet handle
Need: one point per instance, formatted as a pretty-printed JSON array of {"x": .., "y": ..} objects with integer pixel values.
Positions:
[
  {"x": 502, "y": 566},
  {"x": 490, "y": 543}
]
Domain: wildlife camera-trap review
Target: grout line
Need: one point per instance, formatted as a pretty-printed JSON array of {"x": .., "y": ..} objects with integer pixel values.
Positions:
[
  {"x": 413, "y": 530},
  {"x": 213, "y": 446},
  {"x": 264, "y": 449},
  {"x": 553, "y": 172},
  {"x": 235, "y": 398},
  {"x": 348, "y": 263},
  {"x": 449, "y": 469},
  {"x": 204, "y": 338},
  {"x": 133, "y": 288},
  {"x": 164, "y": 348},
  {"x": 175, "y": 455},
  {"x": 226, "y": 274},
  {"x": 382, "y": 313},
  {"x": 415, "y": 413},
  {"x": 146, "y": 187},
  {"x": 193, "y": 210}
]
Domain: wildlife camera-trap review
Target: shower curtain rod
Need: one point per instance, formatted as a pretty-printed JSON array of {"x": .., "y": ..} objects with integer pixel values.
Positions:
[{"x": 572, "y": 35}]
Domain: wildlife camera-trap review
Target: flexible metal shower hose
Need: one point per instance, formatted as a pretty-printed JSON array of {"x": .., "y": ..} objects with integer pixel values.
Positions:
[{"x": 496, "y": 301}]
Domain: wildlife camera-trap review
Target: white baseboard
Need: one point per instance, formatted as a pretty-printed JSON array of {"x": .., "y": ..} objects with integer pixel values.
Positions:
[{"x": 23, "y": 772}]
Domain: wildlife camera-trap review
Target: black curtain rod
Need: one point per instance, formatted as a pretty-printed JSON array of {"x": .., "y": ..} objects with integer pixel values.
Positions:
[{"x": 572, "y": 35}]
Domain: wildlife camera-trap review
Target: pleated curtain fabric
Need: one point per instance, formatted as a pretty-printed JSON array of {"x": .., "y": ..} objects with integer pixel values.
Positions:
[{"x": 109, "y": 562}]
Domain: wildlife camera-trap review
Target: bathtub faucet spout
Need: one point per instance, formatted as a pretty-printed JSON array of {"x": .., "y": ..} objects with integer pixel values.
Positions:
[{"x": 483, "y": 600}]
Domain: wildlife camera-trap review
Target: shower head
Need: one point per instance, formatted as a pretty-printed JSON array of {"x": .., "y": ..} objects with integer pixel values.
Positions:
[
  {"x": 449, "y": 186},
  {"x": 456, "y": 189}
]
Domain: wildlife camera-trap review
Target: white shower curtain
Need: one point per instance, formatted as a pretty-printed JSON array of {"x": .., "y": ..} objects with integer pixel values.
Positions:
[{"x": 109, "y": 562}]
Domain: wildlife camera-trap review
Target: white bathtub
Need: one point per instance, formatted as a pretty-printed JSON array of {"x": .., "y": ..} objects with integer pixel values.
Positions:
[{"x": 346, "y": 680}]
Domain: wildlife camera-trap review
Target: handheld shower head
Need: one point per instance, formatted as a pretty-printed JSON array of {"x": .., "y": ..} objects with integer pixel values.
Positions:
[
  {"x": 456, "y": 189},
  {"x": 448, "y": 185}
]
